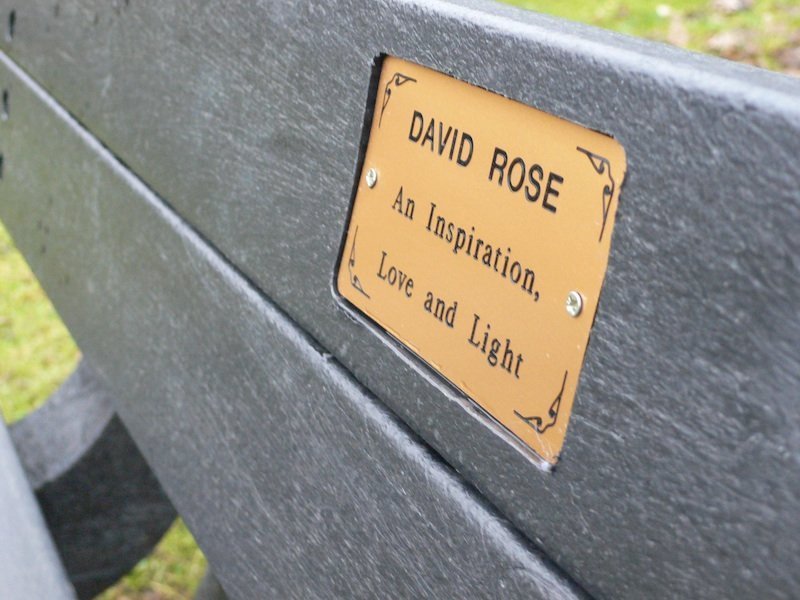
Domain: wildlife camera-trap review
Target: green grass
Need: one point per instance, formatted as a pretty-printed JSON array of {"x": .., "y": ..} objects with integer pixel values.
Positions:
[
  {"x": 767, "y": 34},
  {"x": 37, "y": 353},
  {"x": 171, "y": 572}
]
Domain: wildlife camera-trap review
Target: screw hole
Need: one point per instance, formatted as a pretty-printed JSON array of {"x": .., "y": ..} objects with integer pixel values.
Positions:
[
  {"x": 12, "y": 24},
  {"x": 4, "y": 112}
]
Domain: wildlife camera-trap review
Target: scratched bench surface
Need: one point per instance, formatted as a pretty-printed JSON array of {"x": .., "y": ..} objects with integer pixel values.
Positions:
[
  {"x": 284, "y": 499},
  {"x": 679, "y": 470}
]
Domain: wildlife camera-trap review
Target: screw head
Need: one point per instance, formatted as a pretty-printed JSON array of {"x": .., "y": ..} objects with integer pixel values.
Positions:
[
  {"x": 372, "y": 177},
  {"x": 574, "y": 304}
]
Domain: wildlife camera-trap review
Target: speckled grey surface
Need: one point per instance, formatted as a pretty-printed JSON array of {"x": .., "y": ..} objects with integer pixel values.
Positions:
[
  {"x": 296, "y": 481},
  {"x": 679, "y": 475},
  {"x": 103, "y": 507},
  {"x": 29, "y": 564}
]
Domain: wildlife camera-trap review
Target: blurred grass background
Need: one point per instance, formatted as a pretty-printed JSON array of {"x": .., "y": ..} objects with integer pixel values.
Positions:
[
  {"x": 765, "y": 33},
  {"x": 37, "y": 353}
]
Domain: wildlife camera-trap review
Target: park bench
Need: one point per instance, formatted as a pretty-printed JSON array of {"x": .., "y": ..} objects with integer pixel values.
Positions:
[{"x": 190, "y": 182}]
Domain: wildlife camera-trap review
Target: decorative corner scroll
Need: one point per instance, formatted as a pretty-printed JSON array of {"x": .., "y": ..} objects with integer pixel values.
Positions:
[
  {"x": 395, "y": 80},
  {"x": 602, "y": 166},
  {"x": 538, "y": 423},
  {"x": 351, "y": 263}
]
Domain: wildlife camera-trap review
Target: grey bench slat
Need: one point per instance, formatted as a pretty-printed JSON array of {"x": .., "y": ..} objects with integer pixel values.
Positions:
[
  {"x": 295, "y": 480},
  {"x": 29, "y": 565}
]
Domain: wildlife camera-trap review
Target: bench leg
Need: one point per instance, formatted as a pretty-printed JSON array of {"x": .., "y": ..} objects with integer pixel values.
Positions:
[{"x": 102, "y": 504}]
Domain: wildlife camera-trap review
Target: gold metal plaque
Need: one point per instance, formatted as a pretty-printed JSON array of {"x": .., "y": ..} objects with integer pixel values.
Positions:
[{"x": 479, "y": 238}]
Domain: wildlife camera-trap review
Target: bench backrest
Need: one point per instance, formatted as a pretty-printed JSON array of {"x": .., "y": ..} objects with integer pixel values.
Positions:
[{"x": 196, "y": 165}]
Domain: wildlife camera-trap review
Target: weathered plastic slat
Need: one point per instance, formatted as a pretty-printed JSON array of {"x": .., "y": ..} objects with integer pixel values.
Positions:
[{"x": 29, "y": 563}]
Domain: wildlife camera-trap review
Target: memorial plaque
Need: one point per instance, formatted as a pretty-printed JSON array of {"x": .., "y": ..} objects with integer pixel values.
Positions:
[{"x": 479, "y": 238}]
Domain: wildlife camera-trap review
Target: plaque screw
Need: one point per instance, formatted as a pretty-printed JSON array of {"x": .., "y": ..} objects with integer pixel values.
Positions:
[
  {"x": 574, "y": 304},
  {"x": 372, "y": 177}
]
